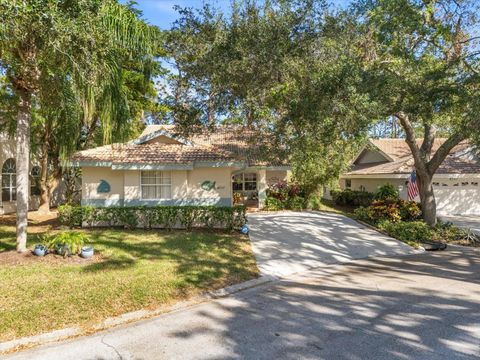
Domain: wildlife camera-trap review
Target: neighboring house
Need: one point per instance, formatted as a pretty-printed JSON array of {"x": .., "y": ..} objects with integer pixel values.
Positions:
[
  {"x": 8, "y": 178},
  {"x": 456, "y": 182},
  {"x": 163, "y": 168}
]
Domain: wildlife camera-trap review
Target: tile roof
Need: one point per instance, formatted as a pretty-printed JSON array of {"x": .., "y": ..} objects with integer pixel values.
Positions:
[
  {"x": 229, "y": 144},
  {"x": 461, "y": 159}
]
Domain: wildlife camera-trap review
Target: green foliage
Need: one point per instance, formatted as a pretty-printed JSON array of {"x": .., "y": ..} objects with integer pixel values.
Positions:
[
  {"x": 314, "y": 202},
  {"x": 283, "y": 195},
  {"x": 273, "y": 204},
  {"x": 409, "y": 210},
  {"x": 352, "y": 197},
  {"x": 66, "y": 242},
  {"x": 409, "y": 232},
  {"x": 166, "y": 217},
  {"x": 296, "y": 203},
  {"x": 446, "y": 231},
  {"x": 387, "y": 192},
  {"x": 389, "y": 210}
]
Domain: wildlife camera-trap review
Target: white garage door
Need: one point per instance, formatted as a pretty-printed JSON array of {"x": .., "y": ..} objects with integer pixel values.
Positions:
[{"x": 458, "y": 197}]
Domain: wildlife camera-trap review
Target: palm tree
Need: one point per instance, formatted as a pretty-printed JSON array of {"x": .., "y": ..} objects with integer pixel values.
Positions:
[{"x": 40, "y": 39}]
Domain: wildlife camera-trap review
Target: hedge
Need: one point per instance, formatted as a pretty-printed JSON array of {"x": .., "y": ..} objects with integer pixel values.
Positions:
[
  {"x": 352, "y": 197},
  {"x": 148, "y": 217}
]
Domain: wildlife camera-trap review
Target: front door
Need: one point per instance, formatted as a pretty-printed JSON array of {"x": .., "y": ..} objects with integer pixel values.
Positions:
[{"x": 244, "y": 186}]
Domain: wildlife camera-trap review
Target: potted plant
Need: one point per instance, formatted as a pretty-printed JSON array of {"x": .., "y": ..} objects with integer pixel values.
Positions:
[
  {"x": 67, "y": 243},
  {"x": 40, "y": 250},
  {"x": 86, "y": 252}
]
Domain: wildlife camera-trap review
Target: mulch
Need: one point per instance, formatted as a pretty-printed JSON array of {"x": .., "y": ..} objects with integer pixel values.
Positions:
[{"x": 13, "y": 258}]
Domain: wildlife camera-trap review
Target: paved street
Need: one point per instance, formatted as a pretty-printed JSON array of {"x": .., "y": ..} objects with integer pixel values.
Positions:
[
  {"x": 288, "y": 242},
  {"x": 424, "y": 306}
]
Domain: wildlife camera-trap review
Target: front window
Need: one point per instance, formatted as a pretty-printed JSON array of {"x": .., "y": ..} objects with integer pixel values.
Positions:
[
  {"x": 9, "y": 180},
  {"x": 245, "y": 182},
  {"x": 156, "y": 184},
  {"x": 35, "y": 180}
]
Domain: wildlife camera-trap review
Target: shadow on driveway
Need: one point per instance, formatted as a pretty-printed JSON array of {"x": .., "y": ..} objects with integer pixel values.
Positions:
[{"x": 288, "y": 242}]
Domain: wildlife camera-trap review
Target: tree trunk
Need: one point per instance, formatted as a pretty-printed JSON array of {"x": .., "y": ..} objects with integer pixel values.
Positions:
[
  {"x": 44, "y": 207},
  {"x": 23, "y": 165},
  {"x": 427, "y": 198}
]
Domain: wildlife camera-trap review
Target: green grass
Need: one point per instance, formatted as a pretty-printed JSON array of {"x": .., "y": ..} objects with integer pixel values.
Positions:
[{"x": 138, "y": 269}]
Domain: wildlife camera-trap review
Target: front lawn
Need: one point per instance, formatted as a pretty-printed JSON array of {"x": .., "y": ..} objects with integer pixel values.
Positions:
[{"x": 133, "y": 270}]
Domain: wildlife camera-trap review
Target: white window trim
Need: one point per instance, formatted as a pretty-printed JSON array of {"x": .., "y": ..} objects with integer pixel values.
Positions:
[
  {"x": 248, "y": 181},
  {"x": 156, "y": 172},
  {"x": 11, "y": 188}
]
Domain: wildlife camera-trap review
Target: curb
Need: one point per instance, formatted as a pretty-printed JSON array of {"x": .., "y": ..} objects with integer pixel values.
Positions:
[{"x": 71, "y": 332}]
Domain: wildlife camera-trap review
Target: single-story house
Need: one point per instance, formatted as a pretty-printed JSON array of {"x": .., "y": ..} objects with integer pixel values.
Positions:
[
  {"x": 8, "y": 178},
  {"x": 456, "y": 183},
  {"x": 162, "y": 167}
]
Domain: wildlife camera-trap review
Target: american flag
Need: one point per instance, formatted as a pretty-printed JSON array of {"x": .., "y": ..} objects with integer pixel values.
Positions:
[{"x": 412, "y": 188}]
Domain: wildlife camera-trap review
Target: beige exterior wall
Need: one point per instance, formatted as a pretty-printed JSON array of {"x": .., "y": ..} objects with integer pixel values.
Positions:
[
  {"x": 7, "y": 151},
  {"x": 91, "y": 178},
  {"x": 186, "y": 187},
  {"x": 221, "y": 176},
  {"x": 371, "y": 185},
  {"x": 274, "y": 176},
  {"x": 370, "y": 156}
]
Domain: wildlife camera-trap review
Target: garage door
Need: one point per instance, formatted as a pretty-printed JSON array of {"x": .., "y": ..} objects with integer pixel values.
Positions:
[{"x": 458, "y": 197}]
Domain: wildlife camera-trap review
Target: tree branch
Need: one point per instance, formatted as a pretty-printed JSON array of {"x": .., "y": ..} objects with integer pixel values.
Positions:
[
  {"x": 444, "y": 150},
  {"x": 428, "y": 139},
  {"x": 411, "y": 139}
]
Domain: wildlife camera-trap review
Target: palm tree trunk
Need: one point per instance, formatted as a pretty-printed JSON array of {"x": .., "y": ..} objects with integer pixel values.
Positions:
[{"x": 23, "y": 165}]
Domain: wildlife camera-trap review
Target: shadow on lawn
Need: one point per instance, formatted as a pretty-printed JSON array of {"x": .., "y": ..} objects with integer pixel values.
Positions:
[{"x": 200, "y": 257}]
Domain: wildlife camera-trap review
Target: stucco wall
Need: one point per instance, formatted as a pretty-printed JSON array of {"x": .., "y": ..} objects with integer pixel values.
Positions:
[
  {"x": 371, "y": 185},
  {"x": 91, "y": 178},
  {"x": 370, "y": 156},
  {"x": 186, "y": 187},
  {"x": 274, "y": 176},
  {"x": 7, "y": 151}
]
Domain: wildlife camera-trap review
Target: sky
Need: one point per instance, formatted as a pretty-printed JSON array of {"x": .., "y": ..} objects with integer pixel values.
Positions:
[{"x": 162, "y": 13}]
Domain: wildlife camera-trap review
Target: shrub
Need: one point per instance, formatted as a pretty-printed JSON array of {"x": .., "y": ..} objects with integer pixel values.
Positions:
[
  {"x": 411, "y": 232},
  {"x": 447, "y": 231},
  {"x": 273, "y": 204},
  {"x": 384, "y": 210},
  {"x": 409, "y": 210},
  {"x": 283, "y": 191},
  {"x": 314, "y": 202},
  {"x": 391, "y": 210},
  {"x": 362, "y": 214},
  {"x": 296, "y": 203},
  {"x": 74, "y": 240},
  {"x": 167, "y": 217},
  {"x": 387, "y": 192},
  {"x": 351, "y": 197}
]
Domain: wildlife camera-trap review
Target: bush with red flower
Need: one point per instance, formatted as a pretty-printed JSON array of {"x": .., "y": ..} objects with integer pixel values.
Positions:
[{"x": 284, "y": 195}]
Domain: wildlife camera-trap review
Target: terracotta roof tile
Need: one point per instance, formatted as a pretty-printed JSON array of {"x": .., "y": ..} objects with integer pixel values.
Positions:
[{"x": 224, "y": 144}]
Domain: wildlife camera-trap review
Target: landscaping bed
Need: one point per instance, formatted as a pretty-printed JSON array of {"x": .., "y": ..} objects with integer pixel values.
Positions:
[
  {"x": 131, "y": 270},
  {"x": 402, "y": 219}
]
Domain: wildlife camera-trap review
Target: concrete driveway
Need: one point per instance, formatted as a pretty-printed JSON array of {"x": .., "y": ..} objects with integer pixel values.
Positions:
[
  {"x": 467, "y": 222},
  {"x": 287, "y": 242},
  {"x": 424, "y": 306}
]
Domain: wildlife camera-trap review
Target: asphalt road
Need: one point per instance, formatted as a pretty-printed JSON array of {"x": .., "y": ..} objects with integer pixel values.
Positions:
[{"x": 424, "y": 306}]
